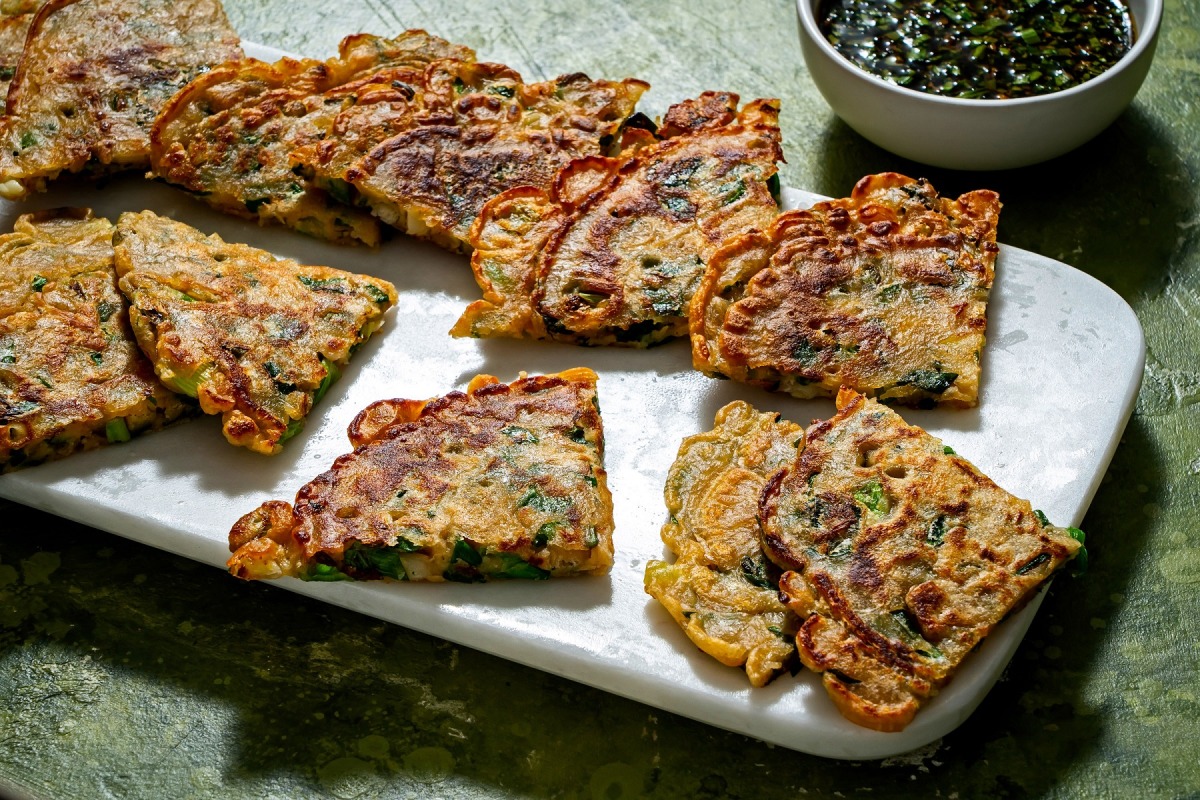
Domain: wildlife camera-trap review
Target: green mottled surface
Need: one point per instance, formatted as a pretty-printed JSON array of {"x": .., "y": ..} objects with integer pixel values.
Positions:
[{"x": 129, "y": 673}]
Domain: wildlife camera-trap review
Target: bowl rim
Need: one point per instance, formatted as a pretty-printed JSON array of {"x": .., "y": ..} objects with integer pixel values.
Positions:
[{"x": 1147, "y": 34}]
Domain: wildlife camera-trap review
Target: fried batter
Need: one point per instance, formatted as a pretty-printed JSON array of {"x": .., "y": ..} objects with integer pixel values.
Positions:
[
  {"x": 229, "y": 136},
  {"x": 612, "y": 252},
  {"x": 254, "y": 338},
  {"x": 884, "y": 292},
  {"x": 406, "y": 503},
  {"x": 71, "y": 375},
  {"x": 92, "y": 77},
  {"x": 721, "y": 588},
  {"x": 14, "y": 24},
  {"x": 901, "y": 558},
  {"x": 469, "y": 132}
]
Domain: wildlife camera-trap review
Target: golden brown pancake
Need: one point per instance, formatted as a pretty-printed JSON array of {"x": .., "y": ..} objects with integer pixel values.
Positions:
[
  {"x": 901, "y": 558},
  {"x": 92, "y": 77},
  {"x": 14, "y": 24},
  {"x": 406, "y": 503},
  {"x": 428, "y": 162},
  {"x": 71, "y": 375},
  {"x": 612, "y": 252},
  {"x": 884, "y": 292},
  {"x": 229, "y": 136},
  {"x": 721, "y": 588},
  {"x": 254, "y": 338}
]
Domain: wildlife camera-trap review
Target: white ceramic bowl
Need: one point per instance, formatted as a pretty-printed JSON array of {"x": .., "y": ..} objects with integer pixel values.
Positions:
[{"x": 977, "y": 134}]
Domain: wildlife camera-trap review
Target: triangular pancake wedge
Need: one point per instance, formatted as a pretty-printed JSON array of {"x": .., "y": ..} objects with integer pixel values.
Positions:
[
  {"x": 446, "y": 143},
  {"x": 721, "y": 588},
  {"x": 229, "y": 136},
  {"x": 500, "y": 481},
  {"x": 255, "y": 338}
]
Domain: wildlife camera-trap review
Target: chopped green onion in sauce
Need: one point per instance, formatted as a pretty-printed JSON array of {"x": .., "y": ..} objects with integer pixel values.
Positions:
[{"x": 980, "y": 50}]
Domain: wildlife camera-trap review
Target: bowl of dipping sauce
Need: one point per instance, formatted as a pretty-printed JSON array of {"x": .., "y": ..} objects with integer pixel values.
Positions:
[{"x": 979, "y": 84}]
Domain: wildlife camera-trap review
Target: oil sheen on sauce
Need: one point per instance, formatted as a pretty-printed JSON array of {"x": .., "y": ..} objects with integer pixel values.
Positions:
[{"x": 974, "y": 49}]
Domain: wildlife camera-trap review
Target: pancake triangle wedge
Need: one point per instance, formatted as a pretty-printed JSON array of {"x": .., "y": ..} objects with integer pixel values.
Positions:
[
  {"x": 254, "y": 338},
  {"x": 499, "y": 481}
]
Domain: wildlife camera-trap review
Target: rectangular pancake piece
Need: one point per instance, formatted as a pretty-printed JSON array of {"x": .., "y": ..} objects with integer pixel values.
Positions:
[
  {"x": 611, "y": 252},
  {"x": 71, "y": 375},
  {"x": 900, "y": 556},
  {"x": 254, "y": 338},
  {"x": 91, "y": 78},
  {"x": 884, "y": 292},
  {"x": 500, "y": 481},
  {"x": 721, "y": 588}
]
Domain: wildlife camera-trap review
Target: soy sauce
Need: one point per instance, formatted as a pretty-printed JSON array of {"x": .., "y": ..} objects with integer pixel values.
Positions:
[{"x": 975, "y": 49}]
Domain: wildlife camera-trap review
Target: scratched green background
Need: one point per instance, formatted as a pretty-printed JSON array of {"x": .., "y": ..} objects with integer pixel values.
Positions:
[{"x": 129, "y": 673}]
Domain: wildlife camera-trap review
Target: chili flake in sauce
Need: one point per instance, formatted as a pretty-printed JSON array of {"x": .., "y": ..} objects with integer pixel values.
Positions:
[{"x": 986, "y": 50}]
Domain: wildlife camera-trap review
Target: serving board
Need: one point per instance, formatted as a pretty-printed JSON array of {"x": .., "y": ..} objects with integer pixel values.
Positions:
[{"x": 1060, "y": 373}]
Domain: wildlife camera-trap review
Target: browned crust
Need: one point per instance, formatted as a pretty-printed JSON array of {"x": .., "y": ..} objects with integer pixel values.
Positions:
[
  {"x": 884, "y": 292},
  {"x": 470, "y": 132},
  {"x": 901, "y": 558},
  {"x": 242, "y": 136},
  {"x": 444, "y": 456},
  {"x": 99, "y": 80},
  {"x": 617, "y": 244}
]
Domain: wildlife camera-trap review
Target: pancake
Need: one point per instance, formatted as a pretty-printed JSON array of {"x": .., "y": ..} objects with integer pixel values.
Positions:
[
  {"x": 612, "y": 251},
  {"x": 228, "y": 137},
  {"x": 14, "y": 24},
  {"x": 405, "y": 504},
  {"x": 900, "y": 556},
  {"x": 884, "y": 292},
  {"x": 254, "y": 338},
  {"x": 71, "y": 375},
  {"x": 92, "y": 77},
  {"x": 469, "y": 132},
  {"x": 721, "y": 588}
]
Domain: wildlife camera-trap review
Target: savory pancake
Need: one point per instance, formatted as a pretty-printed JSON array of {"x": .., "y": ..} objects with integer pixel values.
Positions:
[
  {"x": 406, "y": 503},
  {"x": 228, "y": 137},
  {"x": 254, "y": 338},
  {"x": 884, "y": 292},
  {"x": 92, "y": 77},
  {"x": 721, "y": 588},
  {"x": 14, "y": 24},
  {"x": 612, "y": 251},
  {"x": 71, "y": 375},
  {"x": 902, "y": 557},
  {"x": 469, "y": 132}
]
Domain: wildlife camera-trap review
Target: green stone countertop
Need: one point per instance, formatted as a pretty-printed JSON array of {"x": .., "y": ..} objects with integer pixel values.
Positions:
[{"x": 127, "y": 672}]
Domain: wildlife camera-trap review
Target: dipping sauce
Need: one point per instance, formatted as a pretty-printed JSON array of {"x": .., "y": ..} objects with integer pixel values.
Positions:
[{"x": 984, "y": 50}]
